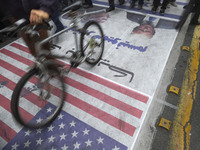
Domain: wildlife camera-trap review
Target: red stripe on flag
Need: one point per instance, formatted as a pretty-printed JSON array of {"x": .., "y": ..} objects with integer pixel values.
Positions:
[
  {"x": 17, "y": 57},
  {"x": 21, "y": 47},
  {"x": 107, "y": 118},
  {"x": 5, "y": 103},
  {"x": 6, "y": 132},
  {"x": 100, "y": 80}
]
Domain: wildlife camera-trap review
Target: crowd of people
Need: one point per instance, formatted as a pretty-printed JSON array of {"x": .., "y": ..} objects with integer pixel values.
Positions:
[{"x": 36, "y": 10}]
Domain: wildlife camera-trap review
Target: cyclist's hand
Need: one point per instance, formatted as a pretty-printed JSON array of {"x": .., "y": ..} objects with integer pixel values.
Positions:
[{"x": 37, "y": 16}]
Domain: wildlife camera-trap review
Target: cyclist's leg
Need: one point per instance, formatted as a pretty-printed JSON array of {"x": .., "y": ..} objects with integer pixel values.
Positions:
[{"x": 31, "y": 40}]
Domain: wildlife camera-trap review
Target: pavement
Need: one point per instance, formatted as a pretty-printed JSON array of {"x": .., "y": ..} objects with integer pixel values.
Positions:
[{"x": 137, "y": 86}]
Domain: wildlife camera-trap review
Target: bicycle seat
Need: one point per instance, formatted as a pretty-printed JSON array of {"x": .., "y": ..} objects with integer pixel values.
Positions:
[
  {"x": 14, "y": 27},
  {"x": 73, "y": 7}
]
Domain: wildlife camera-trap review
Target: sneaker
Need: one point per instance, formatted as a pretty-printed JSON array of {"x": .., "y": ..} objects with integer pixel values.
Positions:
[
  {"x": 110, "y": 9},
  {"x": 153, "y": 10},
  {"x": 139, "y": 7},
  {"x": 162, "y": 12},
  {"x": 173, "y": 4}
]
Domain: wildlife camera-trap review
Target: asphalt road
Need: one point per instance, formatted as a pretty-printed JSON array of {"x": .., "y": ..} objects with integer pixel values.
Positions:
[{"x": 181, "y": 109}]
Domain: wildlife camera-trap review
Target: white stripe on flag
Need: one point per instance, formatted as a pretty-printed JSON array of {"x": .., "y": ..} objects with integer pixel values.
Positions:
[
  {"x": 2, "y": 143},
  {"x": 7, "y": 118}
]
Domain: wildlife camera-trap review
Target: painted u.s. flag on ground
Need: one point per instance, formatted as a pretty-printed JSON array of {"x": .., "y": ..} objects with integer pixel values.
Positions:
[{"x": 98, "y": 114}]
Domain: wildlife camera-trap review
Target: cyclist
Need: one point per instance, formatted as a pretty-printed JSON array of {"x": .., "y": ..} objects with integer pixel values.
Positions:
[{"x": 34, "y": 11}]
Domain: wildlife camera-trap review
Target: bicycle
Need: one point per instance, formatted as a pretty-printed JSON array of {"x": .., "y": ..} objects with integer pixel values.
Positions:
[{"x": 45, "y": 80}]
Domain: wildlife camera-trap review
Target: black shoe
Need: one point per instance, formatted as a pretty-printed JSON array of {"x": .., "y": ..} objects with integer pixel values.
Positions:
[
  {"x": 121, "y": 2},
  {"x": 110, "y": 9},
  {"x": 162, "y": 12},
  {"x": 153, "y": 10},
  {"x": 139, "y": 7},
  {"x": 87, "y": 6}
]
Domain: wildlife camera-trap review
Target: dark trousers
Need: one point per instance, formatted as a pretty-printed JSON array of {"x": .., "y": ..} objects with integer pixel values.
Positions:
[
  {"x": 196, "y": 11},
  {"x": 140, "y": 2},
  {"x": 89, "y": 2},
  {"x": 55, "y": 18},
  {"x": 164, "y": 4},
  {"x": 111, "y": 3}
]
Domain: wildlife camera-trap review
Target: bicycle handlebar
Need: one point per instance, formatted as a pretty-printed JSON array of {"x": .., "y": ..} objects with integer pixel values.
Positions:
[
  {"x": 23, "y": 22},
  {"x": 14, "y": 27}
]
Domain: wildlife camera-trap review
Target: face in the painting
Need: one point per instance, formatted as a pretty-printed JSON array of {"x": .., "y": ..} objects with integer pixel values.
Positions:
[{"x": 144, "y": 29}]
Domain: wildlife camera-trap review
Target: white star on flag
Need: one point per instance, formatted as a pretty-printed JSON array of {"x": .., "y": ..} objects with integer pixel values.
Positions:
[
  {"x": 39, "y": 120},
  {"x": 27, "y": 133},
  {"x": 14, "y": 147},
  {"x": 39, "y": 131},
  {"x": 64, "y": 147},
  {"x": 60, "y": 116},
  {"x": 100, "y": 140},
  {"x": 88, "y": 143},
  {"x": 86, "y": 131},
  {"x": 39, "y": 141},
  {"x": 116, "y": 148},
  {"x": 62, "y": 137},
  {"x": 76, "y": 145},
  {"x": 50, "y": 128},
  {"x": 61, "y": 126},
  {"x": 72, "y": 124},
  {"x": 27, "y": 144},
  {"x": 53, "y": 148},
  {"x": 49, "y": 109},
  {"x": 74, "y": 134},
  {"x": 51, "y": 139}
]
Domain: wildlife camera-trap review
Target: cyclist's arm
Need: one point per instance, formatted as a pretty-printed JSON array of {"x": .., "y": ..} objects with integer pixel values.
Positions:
[{"x": 47, "y": 8}]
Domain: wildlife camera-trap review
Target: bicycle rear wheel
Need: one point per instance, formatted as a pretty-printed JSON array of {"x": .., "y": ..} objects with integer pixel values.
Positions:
[
  {"x": 92, "y": 42},
  {"x": 38, "y": 98}
]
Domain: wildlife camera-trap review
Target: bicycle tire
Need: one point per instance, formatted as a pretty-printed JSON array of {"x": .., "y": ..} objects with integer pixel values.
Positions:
[
  {"x": 23, "y": 95},
  {"x": 96, "y": 41}
]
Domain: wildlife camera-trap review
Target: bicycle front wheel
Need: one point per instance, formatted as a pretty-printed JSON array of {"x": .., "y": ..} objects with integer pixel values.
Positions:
[
  {"x": 38, "y": 98},
  {"x": 92, "y": 42}
]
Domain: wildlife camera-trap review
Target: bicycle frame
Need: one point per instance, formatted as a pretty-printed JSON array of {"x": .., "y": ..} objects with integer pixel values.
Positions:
[{"x": 73, "y": 25}]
